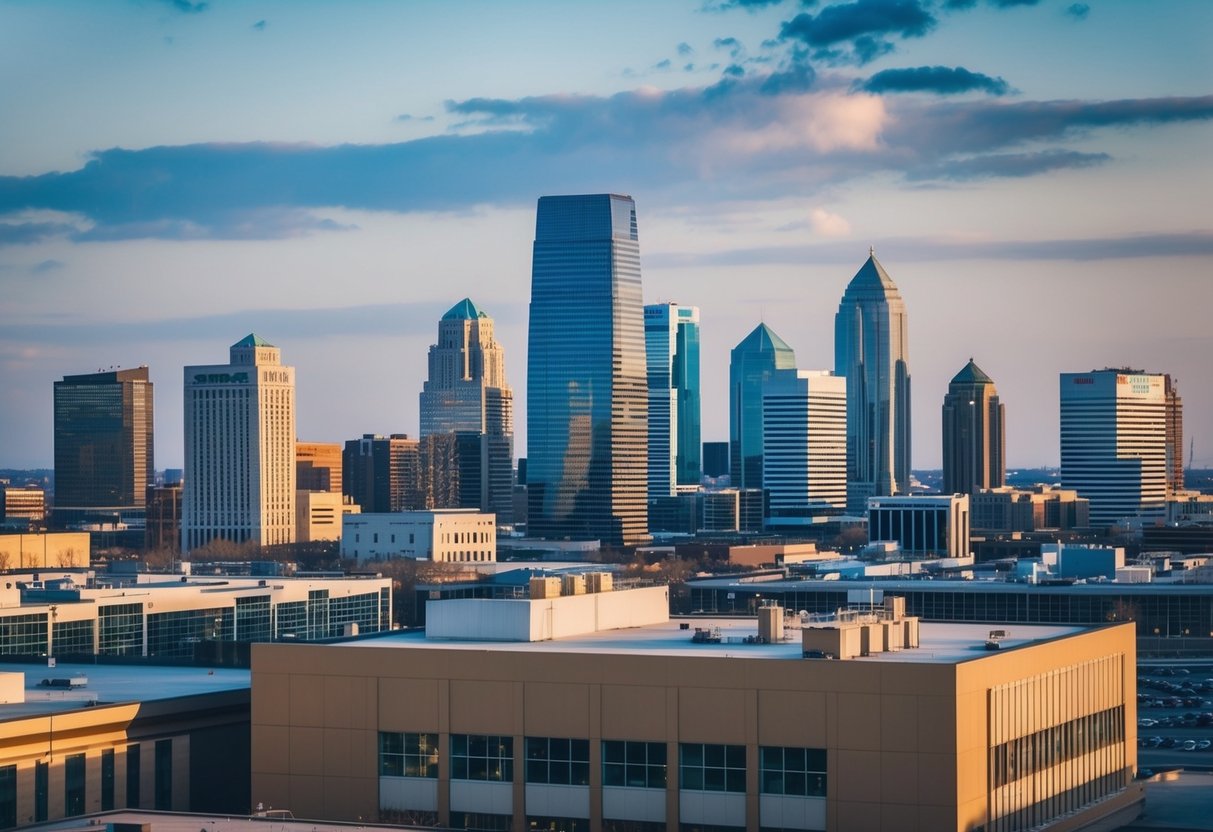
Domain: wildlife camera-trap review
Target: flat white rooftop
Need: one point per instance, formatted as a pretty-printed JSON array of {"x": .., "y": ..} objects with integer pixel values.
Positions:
[
  {"x": 940, "y": 643},
  {"x": 113, "y": 684}
]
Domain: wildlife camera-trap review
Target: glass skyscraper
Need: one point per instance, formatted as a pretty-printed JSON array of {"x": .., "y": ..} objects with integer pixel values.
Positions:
[
  {"x": 103, "y": 444},
  {"x": 671, "y": 340},
  {"x": 751, "y": 365},
  {"x": 871, "y": 351},
  {"x": 587, "y": 405}
]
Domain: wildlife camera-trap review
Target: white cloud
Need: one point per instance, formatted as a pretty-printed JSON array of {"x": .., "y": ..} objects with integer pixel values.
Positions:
[{"x": 825, "y": 224}]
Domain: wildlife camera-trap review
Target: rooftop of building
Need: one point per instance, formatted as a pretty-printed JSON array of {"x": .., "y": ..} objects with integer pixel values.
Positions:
[
  {"x": 271, "y": 821},
  {"x": 465, "y": 310},
  {"x": 109, "y": 684},
  {"x": 763, "y": 339},
  {"x": 931, "y": 584},
  {"x": 939, "y": 643},
  {"x": 971, "y": 374},
  {"x": 871, "y": 277},
  {"x": 252, "y": 340}
]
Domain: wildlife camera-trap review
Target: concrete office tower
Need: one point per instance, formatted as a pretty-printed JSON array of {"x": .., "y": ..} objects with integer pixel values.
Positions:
[
  {"x": 587, "y": 397},
  {"x": 466, "y": 393},
  {"x": 751, "y": 364},
  {"x": 974, "y": 438},
  {"x": 671, "y": 342},
  {"x": 1114, "y": 442},
  {"x": 804, "y": 442},
  {"x": 382, "y": 473},
  {"x": 871, "y": 351},
  {"x": 318, "y": 466},
  {"x": 240, "y": 449},
  {"x": 103, "y": 445},
  {"x": 1175, "y": 436}
]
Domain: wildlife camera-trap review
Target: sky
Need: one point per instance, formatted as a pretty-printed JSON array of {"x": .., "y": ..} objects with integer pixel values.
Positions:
[{"x": 1035, "y": 177}]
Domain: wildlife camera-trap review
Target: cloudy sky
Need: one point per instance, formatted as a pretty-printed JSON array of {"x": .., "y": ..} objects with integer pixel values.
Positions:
[{"x": 1035, "y": 176}]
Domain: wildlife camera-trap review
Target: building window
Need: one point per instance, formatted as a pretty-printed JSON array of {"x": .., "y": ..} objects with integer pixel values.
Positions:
[
  {"x": 481, "y": 821},
  {"x": 711, "y": 768},
  {"x": 408, "y": 755},
  {"x": 164, "y": 775},
  {"x": 41, "y": 790},
  {"x": 793, "y": 771},
  {"x": 480, "y": 757},
  {"x": 73, "y": 785},
  {"x": 107, "y": 779},
  {"x": 8, "y": 797},
  {"x": 637, "y": 765},
  {"x": 561, "y": 762},
  {"x": 133, "y": 774}
]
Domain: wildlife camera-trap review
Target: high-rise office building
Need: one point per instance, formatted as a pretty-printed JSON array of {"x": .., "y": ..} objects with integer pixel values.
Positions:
[
  {"x": 318, "y": 466},
  {"x": 671, "y": 342},
  {"x": 104, "y": 430},
  {"x": 587, "y": 397},
  {"x": 974, "y": 437},
  {"x": 382, "y": 473},
  {"x": 751, "y": 364},
  {"x": 467, "y": 394},
  {"x": 1114, "y": 442},
  {"x": 715, "y": 459},
  {"x": 804, "y": 442},
  {"x": 240, "y": 449},
  {"x": 871, "y": 350},
  {"x": 1175, "y": 436}
]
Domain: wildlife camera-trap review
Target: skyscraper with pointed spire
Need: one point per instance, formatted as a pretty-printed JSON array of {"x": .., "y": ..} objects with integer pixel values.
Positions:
[
  {"x": 974, "y": 439},
  {"x": 467, "y": 394},
  {"x": 871, "y": 350},
  {"x": 751, "y": 365},
  {"x": 587, "y": 395}
]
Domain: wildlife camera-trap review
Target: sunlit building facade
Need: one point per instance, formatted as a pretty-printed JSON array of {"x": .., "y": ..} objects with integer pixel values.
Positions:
[
  {"x": 974, "y": 437},
  {"x": 587, "y": 396},
  {"x": 804, "y": 456}
]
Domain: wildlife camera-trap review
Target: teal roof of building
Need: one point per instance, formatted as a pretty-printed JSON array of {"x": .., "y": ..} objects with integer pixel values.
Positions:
[
  {"x": 763, "y": 339},
  {"x": 971, "y": 374},
  {"x": 871, "y": 275},
  {"x": 465, "y": 310},
  {"x": 252, "y": 340}
]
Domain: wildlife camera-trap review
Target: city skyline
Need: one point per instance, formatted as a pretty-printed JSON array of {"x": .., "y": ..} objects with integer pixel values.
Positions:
[{"x": 988, "y": 178}]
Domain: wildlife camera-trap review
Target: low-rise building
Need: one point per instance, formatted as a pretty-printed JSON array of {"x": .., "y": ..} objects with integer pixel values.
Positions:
[
  {"x": 318, "y": 515},
  {"x": 1007, "y": 509},
  {"x": 440, "y": 535},
  {"x": 935, "y": 525},
  {"x": 45, "y": 550},
  {"x": 22, "y": 506}
]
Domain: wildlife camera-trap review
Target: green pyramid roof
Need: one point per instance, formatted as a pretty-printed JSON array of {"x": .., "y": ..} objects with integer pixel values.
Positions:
[
  {"x": 465, "y": 310},
  {"x": 871, "y": 275},
  {"x": 763, "y": 339},
  {"x": 971, "y": 374},
  {"x": 252, "y": 340}
]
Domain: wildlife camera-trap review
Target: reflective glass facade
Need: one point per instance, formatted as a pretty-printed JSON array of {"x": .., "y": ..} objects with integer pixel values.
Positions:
[
  {"x": 671, "y": 342},
  {"x": 751, "y": 365},
  {"x": 103, "y": 442},
  {"x": 587, "y": 397},
  {"x": 871, "y": 350}
]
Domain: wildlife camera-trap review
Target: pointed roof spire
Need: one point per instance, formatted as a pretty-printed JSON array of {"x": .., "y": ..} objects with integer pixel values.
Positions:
[
  {"x": 465, "y": 310},
  {"x": 971, "y": 374},
  {"x": 252, "y": 340},
  {"x": 763, "y": 339}
]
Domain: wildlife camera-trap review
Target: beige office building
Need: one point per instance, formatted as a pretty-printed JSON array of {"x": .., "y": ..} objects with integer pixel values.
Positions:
[
  {"x": 596, "y": 712},
  {"x": 318, "y": 515},
  {"x": 318, "y": 466},
  {"x": 447, "y": 535}
]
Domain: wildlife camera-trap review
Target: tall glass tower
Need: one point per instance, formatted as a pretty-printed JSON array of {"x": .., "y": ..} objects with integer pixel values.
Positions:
[
  {"x": 671, "y": 341},
  {"x": 587, "y": 405},
  {"x": 871, "y": 350},
  {"x": 751, "y": 365}
]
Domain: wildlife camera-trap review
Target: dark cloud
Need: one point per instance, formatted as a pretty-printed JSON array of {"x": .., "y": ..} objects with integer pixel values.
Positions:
[
  {"x": 733, "y": 45},
  {"x": 1013, "y": 165},
  {"x": 662, "y": 64},
  {"x": 742, "y": 138},
  {"x": 920, "y": 249},
  {"x": 1008, "y": 4},
  {"x": 748, "y": 5},
  {"x": 260, "y": 25},
  {"x": 411, "y": 117},
  {"x": 685, "y": 49},
  {"x": 941, "y": 80},
  {"x": 849, "y": 21},
  {"x": 958, "y": 5},
  {"x": 1078, "y": 11}
]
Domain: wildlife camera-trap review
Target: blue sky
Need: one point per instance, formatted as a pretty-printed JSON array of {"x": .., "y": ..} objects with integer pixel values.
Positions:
[{"x": 173, "y": 175}]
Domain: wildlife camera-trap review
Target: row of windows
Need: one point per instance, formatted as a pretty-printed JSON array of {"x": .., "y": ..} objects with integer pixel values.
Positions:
[
  {"x": 561, "y": 761},
  {"x": 1044, "y": 749}
]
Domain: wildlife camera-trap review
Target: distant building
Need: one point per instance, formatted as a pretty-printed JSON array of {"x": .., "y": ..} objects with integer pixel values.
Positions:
[
  {"x": 734, "y": 510},
  {"x": 671, "y": 338},
  {"x": 442, "y": 536},
  {"x": 804, "y": 442},
  {"x": 104, "y": 429},
  {"x": 318, "y": 515},
  {"x": 240, "y": 449},
  {"x": 163, "y": 529},
  {"x": 1114, "y": 443},
  {"x": 1042, "y": 507},
  {"x": 1174, "y": 415},
  {"x": 45, "y": 550},
  {"x": 679, "y": 514},
  {"x": 922, "y": 525},
  {"x": 318, "y": 466},
  {"x": 22, "y": 507},
  {"x": 715, "y": 459},
  {"x": 587, "y": 396},
  {"x": 751, "y": 364},
  {"x": 383, "y": 473},
  {"x": 974, "y": 435},
  {"x": 467, "y": 393},
  {"x": 871, "y": 350}
]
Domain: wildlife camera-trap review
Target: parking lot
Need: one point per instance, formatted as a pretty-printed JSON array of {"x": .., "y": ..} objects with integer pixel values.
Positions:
[{"x": 1175, "y": 715}]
